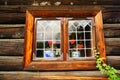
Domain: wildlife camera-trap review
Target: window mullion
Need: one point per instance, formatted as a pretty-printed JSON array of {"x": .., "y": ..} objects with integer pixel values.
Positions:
[{"x": 65, "y": 38}]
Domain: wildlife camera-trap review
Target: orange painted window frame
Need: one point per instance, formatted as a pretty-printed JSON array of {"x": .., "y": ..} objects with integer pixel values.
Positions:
[{"x": 28, "y": 64}]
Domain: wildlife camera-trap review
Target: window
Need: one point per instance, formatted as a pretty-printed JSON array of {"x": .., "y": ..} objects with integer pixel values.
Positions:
[{"x": 63, "y": 41}]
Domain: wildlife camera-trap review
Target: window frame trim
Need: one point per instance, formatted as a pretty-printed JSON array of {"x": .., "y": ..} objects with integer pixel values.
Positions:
[{"x": 28, "y": 64}]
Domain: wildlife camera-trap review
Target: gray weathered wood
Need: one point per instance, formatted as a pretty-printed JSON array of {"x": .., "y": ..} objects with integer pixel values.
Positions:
[
  {"x": 10, "y": 63},
  {"x": 112, "y": 46},
  {"x": 19, "y": 75},
  {"x": 11, "y": 47},
  {"x": 11, "y": 31},
  {"x": 14, "y": 63},
  {"x": 16, "y": 14},
  {"x": 112, "y": 30},
  {"x": 14, "y": 47},
  {"x": 64, "y": 2}
]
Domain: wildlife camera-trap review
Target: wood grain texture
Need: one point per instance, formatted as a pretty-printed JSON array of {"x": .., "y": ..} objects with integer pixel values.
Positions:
[
  {"x": 10, "y": 63},
  {"x": 14, "y": 47},
  {"x": 100, "y": 36},
  {"x": 60, "y": 65},
  {"x": 112, "y": 46},
  {"x": 112, "y": 33},
  {"x": 16, "y": 13},
  {"x": 71, "y": 75},
  {"x": 11, "y": 47},
  {"x": 28, "y": 41},
  {"x": 53, "y": 73},
  {"x": 14, "y": 63},
  {"x": 64, "y": 2},
  {"x": 11, "y": 31}
]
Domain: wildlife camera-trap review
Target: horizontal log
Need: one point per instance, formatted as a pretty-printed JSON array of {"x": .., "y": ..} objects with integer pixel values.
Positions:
[
  {"x": 14, "y": 47},
  {"x": 112, "y": 46},
  {"x": 10, "y": 63},
  {"x": 64, "y": 2},
  {"x": 16, "y": 14},
  {"x": 72, "y": 75},
  {"x": 11, "y": 47},
  {"x": 11, "y": 31},
  {"x": 16, "y": 31},
  {"x": 112, "y": 30},
  {"x": 13, "y": 63},
  {"x": 10, "y": 18}
]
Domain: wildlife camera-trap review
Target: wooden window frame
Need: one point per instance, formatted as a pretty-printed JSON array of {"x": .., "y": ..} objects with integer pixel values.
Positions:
[{"x": 28, "y": 64}]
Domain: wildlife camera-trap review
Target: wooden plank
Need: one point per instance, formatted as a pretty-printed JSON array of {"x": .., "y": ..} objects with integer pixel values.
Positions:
[
  {"x": 114, "y": 61},
  {"x": 60, "y": 65},
  {"x": 112, "y": 30},
  {"x": 112, "y": 46},
  {"x": 63, "y": 2},
  {"x": 100, "y": 43},
  {"x": 11, "y": 47},
  {"x": 14, "y": 47},
  {"x": 71, "y": 75},
  {"x": 16, "y": 31},
  {"x": 16, "y": 14},
  {"x": 11, "y": 18},
  {"x": 10, "y": 63},
  {"x": 28, "y": 41},
  {"x": 11, "y": 31},
  {"x": 53, "y": 73},
  {"x": 14, "y": 63}
]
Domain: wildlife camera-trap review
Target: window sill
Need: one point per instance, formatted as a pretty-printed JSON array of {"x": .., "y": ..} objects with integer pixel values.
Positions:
[{"x": 62, "y": 65}]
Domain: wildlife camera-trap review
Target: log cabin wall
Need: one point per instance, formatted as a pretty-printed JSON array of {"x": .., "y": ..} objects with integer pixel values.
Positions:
[{"x": 12, "y": 22}]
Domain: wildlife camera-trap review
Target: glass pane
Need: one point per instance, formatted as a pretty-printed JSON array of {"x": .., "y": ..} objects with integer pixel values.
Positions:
[
  {"x": 56, "y": 36},
  {"x": 88, "y": 44},
  {"x": 40, "y": 36},
  {"x": 87, "y": 35},
  {"x": 48, "y": 38},
  {"x": 79, "y": 32},
  {"x": 40, "y": 53},
  {"x": 40, "y": 45},
  {"x": 88, "y": 53}
]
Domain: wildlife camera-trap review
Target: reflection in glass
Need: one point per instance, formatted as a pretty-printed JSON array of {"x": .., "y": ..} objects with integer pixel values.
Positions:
[
  {"x": 48, "y": 38},
  {"x": 40, "y": 53},
  {"x": 79, "y": 32},
  {"x": 40, "y": 45}
]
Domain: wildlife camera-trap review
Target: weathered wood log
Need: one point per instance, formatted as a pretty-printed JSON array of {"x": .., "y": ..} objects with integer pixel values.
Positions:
[
  {"x": 13, "y": 63},
  {"x": 12, "y": 47},
  {"x": 16, "y": 14},
  {"x": 10, "y": 63},
  {"x": 55, "y": 78},
  {"x": 71, "y": 75},
  {"x": 11, "y": 31},
  {"x": 16, "y": 31},
  {"x": 114, "y": 61},
  {"x": 64, "y": 2},
  {"x": 53, "y": 73},
  {"x": 112, "y": 46},
  {"x": 12, "y": 18},
  {"x": 112, "y": 30}
]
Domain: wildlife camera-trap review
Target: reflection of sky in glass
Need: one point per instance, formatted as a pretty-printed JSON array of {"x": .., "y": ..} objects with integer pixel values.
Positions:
[
  {"x": 74, "y": 24},
  {"x": 48, "y": 29}
]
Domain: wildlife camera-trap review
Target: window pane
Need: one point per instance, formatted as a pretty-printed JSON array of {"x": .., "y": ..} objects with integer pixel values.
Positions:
[
  {"x": 40, "y": 53},
  {"x": 79, "y": 38},
  {"x": 40, "y": 45},
  {"x": 48, "y": 38}
]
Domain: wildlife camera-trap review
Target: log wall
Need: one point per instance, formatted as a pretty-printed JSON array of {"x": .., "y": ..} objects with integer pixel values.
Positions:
[{"x": 12, "y": 22}]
